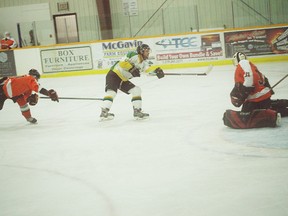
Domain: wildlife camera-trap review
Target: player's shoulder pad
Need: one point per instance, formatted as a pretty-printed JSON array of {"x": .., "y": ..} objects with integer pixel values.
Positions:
[{"x": 130, "y": 54}]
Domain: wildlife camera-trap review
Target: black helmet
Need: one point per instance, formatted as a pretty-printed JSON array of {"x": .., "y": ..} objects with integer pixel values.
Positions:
[
  {"x": 35, "y": 73},
  {"x": 141, "y": 48}
]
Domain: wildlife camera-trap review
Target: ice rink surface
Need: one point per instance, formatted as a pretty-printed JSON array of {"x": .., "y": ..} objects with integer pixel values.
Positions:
[{"x": 183, "y": 161}]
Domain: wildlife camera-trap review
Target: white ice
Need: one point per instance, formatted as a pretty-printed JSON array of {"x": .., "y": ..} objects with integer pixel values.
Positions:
[{"x": 183, "y": 161}]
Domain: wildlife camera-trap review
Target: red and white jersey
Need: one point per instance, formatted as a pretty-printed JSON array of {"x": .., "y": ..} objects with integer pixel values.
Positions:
[
  {"x": 8, "y": 43},
  {"x": 21, "y": 85},
  {"x": 248, "y": 74}
]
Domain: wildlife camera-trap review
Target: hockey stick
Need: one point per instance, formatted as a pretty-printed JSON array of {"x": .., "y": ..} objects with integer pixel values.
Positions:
[
  {"x": 279, "y": 81},
  {"x": 73, "y": 98},
  {"x": 195, "y": 74},
  {"x": 180, "y": 74}
]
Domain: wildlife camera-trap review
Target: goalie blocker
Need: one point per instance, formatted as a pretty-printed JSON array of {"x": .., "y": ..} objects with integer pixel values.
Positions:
[{"x": 256, "y": 119}]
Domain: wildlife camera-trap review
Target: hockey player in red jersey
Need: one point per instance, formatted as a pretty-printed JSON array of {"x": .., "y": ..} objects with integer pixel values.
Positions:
[
  {"x": 20, "y": 89},
  {"x": 253, "y": 92},
  {"x": 252, "y": 89},
  {"x": 8, "y": 42}
]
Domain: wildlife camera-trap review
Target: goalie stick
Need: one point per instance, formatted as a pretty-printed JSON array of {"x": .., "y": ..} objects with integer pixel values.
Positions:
[
  {"x": 279, "y": 81},
  {"x": 74, "y": 98},
  {"x": 205, "y": 73}
]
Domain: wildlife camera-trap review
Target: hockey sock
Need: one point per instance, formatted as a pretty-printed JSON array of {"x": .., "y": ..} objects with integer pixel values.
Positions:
[
  {"x": 136, "y": 97},
  {"x": 25, "y": 111},
  {"x": 108, "y": 99}
]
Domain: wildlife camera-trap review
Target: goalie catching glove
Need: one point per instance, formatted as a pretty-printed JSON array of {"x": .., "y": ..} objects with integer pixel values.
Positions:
[
  {"x": 32, "y": 99},
  {"x": 239, "y": 94}
]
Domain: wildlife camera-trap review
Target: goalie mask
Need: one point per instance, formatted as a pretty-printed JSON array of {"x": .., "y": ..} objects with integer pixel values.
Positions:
[
  {"x": 141, "y": 49},
  {"x": 34, "y": 73},
  {"x": 237, "y": 57}
]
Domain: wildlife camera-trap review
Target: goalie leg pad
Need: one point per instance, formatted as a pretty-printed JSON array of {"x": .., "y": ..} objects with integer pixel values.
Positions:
[
  {"x": 255, "y": 119},
  {"x": 281, "y": 106},
  {"x": 234, "y": 119},
  {"x": 262, "y": 118}
]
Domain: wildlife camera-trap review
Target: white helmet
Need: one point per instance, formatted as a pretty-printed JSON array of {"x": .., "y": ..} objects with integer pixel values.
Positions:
[
  {"x": 7, "y": 34},
  {"x": 237, "y": 57}
]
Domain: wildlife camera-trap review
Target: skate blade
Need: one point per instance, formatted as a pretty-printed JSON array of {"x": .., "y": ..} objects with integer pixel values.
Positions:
[
  {"x": 143, "y": 118},
  {"x": 106, "y": 119},
  {"x": 33, "y": 123}
]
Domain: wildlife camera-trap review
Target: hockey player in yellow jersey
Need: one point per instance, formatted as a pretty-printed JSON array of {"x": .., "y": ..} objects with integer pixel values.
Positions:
[{"x": 133, "y": 64}]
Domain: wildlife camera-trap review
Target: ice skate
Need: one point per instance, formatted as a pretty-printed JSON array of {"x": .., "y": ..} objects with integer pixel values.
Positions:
[
  {"x": 32, "y": 120},
  {"x": 105, "y": 115},
  {"x": 138, "y": 114}
]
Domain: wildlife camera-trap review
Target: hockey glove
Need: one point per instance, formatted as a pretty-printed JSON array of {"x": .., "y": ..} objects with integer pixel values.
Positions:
[
  {"x": 239, "y": 94},
  {"x": 32, "y": 99},
  {"x": 267, "y": 84},
  {"x": 53, "y": 95},
  {"x": 237, "y": 102},
  {"x": 159, "y": 73},
  {"x": 134, "y": 71}
]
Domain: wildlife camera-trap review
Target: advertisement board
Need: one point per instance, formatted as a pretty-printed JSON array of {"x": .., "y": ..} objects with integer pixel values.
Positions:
[
  {"x": 106, "y": 54},
  {"x": 188, "y": 48},
  {"x": 193, "y": 49},
  {"x": 257, "y": 42},
  {"x": 66, "y": 59},
  {"x": 7, "y": 63},
  {"x": 164, "y": 50}
]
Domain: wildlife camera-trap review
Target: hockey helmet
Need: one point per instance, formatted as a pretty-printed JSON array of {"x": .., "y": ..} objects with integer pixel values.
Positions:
[
  {"x": 237, "y": 57},
  {"x": 34, "y": 73},
  {"x": 7, "y": 34},
  {"x": 141, "y": 48}
]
